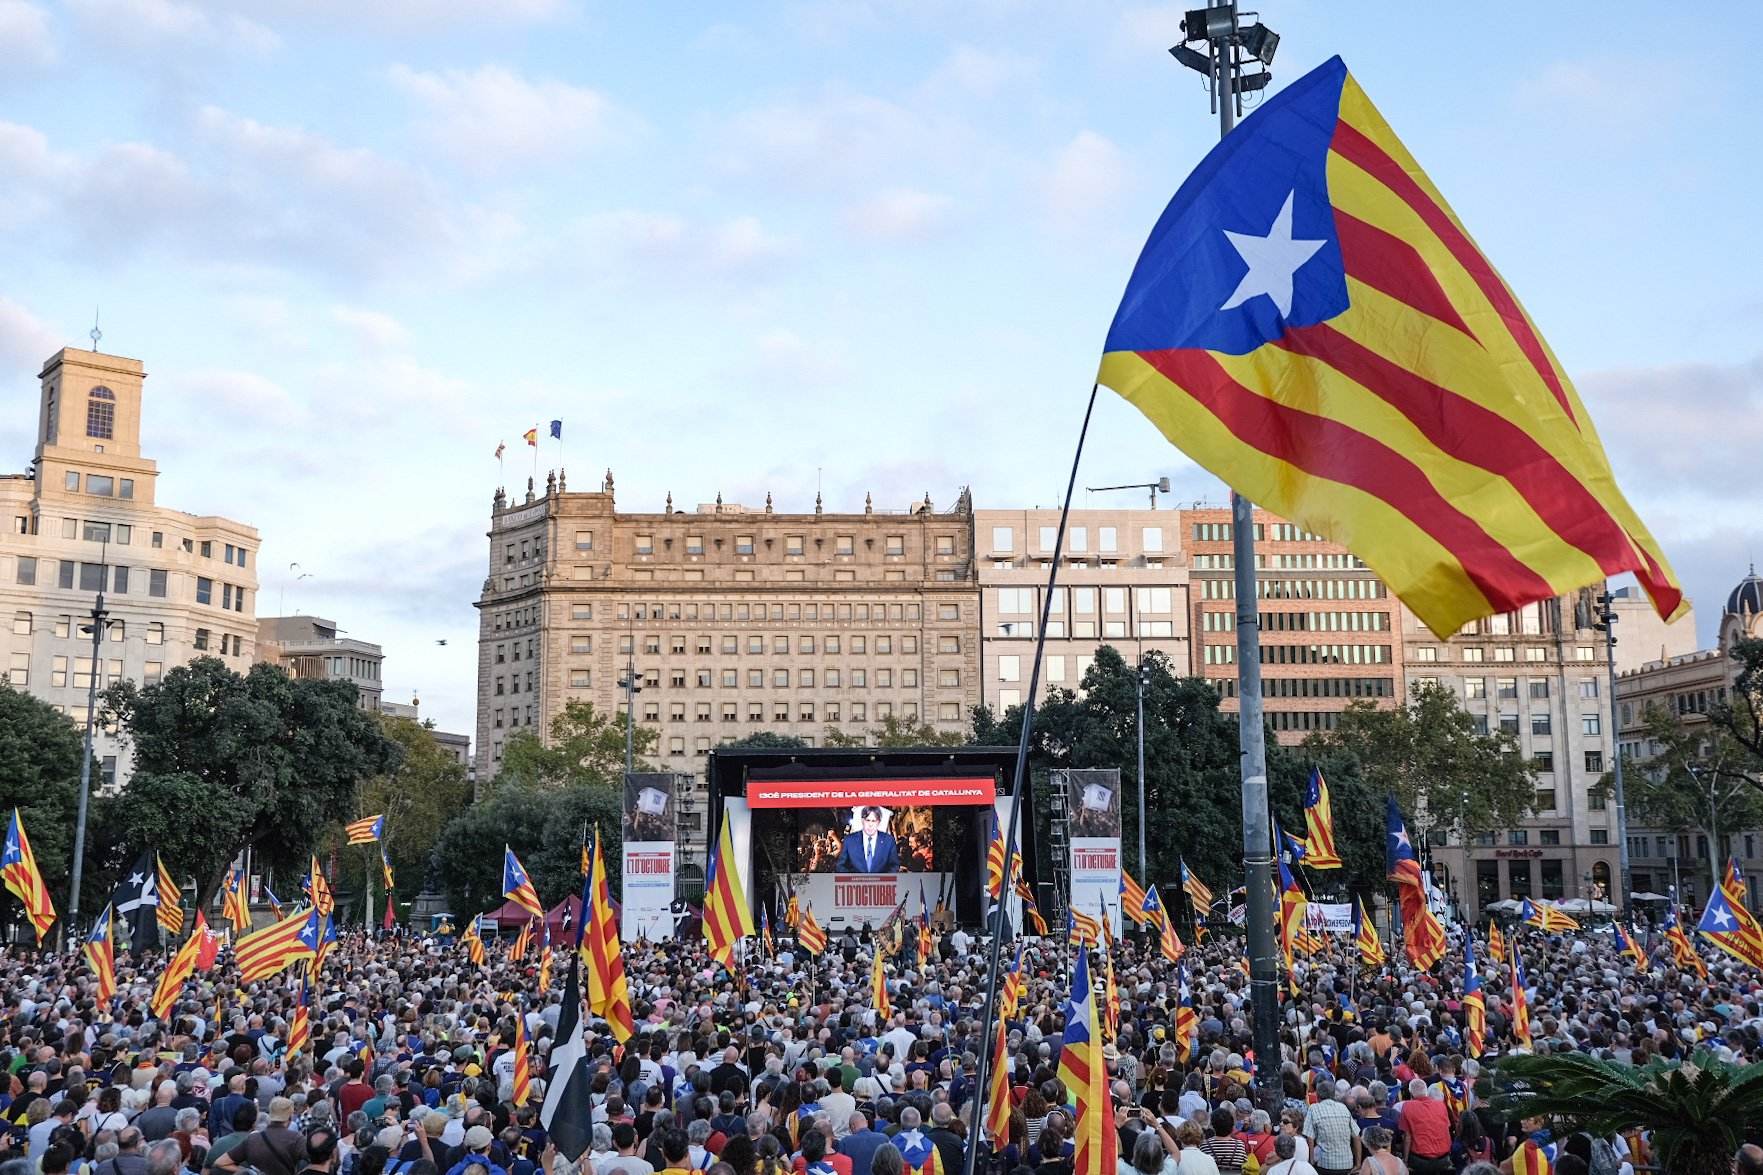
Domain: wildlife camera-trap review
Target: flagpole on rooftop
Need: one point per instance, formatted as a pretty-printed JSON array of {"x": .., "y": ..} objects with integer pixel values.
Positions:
[{"x": 1018, "y": 785}]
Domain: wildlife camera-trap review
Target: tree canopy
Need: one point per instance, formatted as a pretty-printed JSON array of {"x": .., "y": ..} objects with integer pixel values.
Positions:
[
  {"x": 586, "y": 749},
  {"x": 895, "y": 732},
  {"x": 543, "y": 825},
  {"x": 40, "y": 750},
  {"x": 1427, "y": 754},
  {"x": 1740, "y": 717},
  {"x": 419, "y": 797},
  {"x": 222, "y": 761}
]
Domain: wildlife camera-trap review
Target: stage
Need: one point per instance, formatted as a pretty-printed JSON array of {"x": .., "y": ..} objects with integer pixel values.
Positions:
[{"x": 857, "y": 833}]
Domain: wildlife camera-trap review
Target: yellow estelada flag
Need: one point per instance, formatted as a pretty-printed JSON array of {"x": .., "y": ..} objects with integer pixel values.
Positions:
[
  {"x": 602, "y": 955},
  {"x": 878, "y": 992},
  {"x": 727, "y": 916},
  {"x": 1311, "y": 322}
]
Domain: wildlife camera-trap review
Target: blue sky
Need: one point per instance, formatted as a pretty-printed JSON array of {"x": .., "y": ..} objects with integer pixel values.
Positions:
[{"x": 738, "y": 248}]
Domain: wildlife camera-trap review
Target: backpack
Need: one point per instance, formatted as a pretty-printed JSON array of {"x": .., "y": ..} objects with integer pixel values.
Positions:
[{"x": 1604, "y": 1160}]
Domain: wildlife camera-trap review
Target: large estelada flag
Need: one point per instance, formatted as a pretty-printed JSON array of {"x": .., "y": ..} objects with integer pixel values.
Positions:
[{"x": 1310, "y": 322}]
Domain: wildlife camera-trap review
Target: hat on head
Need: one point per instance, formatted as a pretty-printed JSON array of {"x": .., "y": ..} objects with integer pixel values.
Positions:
[{"x": 478, "y": 1138}]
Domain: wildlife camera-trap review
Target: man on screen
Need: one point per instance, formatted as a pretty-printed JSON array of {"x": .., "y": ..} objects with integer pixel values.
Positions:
[{"x": 870, "y": 850}]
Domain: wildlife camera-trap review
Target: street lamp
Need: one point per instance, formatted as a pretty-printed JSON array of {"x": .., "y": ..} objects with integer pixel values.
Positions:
[
  {"x": 1605, "y": 619},
  {"x": 1143, "y": 679},
  {"x": 628, "y": 683},
  {"x": 79, "y": 828}
]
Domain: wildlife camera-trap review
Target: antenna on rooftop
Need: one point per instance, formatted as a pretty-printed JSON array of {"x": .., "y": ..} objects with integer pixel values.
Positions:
[{"x": 95, "y": 334}]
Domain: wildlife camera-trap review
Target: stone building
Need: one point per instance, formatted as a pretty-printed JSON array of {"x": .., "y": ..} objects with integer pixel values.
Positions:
[
  {"x": 315, "y": 648},
  {"x": 84, "y": 518},
  {"x": 1331, "y": 632},
  {"x": 1686, "y": 687},
  {"x": 1124, "y": 582},
  {"x": 729, "y": 620},
  {"x": 1541, "y": 675}
]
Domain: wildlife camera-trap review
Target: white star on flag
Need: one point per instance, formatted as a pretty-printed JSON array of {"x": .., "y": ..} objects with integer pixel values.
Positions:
[{"x": 1272, "y": 261}]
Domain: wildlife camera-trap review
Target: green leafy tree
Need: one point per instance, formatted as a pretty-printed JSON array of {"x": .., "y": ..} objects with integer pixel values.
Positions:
[
  {"x": 544, "y": 826},
  {"x": 259, "y": 760},
  {"x": 1696, "y": 1113},
  {"x": 768, "y": 740},
  {"x": 1427, "y": 754},
  {"x": 586, "y": 748},
  {"x": 1193, "y": 795},
  {"x": 40, "y": 752},
  {"x": 895, "y": 732},
  {"x": 419, "y": 797},
  {"x": 1695, "y": 782},
  {"x": 1740, "y": 717}
]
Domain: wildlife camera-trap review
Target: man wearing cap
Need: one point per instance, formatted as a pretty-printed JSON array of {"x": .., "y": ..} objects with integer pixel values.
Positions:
[
  {"x": 274, "y": 1150},
  {"x": 477, "y": 1150}
]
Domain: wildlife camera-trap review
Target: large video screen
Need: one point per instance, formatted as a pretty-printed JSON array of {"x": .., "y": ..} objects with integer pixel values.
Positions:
[
  {"x": 865, "y": 839},
  {"x": 866, "y": 826}
]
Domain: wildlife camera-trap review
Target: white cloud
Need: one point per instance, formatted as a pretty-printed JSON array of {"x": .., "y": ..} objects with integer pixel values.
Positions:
[
  {"x": 899, "y": 214},
  {"x": 25, "y": 339},
  {"x": 840, "y": 138},
  {"x": 157, "y": 24},
  {"x": 794, "y": 366},
  {"x": 1085, "y": 179},
  {"x": 421, "y": 16},
  {"x": 371, "y": 329},
  {"x": 669, "y": 245},
  {"x": 980, "y": 72},
  {"x": 1654, "y": 422},
  {"x": 24, "y": 31},
  {"x": 1609, "y": 102},
  {"x": 491, "y": 115}
]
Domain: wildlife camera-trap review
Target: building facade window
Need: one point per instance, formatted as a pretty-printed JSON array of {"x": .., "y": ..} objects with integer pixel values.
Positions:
[{"x": 101, "y": 413}]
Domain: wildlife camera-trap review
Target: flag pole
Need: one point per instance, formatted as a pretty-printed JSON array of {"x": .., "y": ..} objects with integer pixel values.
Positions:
[
  {"x": 1251, "y": 732},
  {"x": 1019, "y": 780}
]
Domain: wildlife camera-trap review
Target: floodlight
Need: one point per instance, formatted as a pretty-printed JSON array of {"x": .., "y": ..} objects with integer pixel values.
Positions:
[
  {"x": 1193, "y": 59},
  {"x": 1260, "y": 42}
]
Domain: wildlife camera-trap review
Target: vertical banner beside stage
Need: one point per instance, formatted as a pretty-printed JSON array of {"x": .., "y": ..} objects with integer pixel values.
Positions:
[
  {"x": 649, "y": 862},
  {"x": 1094, "y": 796}
]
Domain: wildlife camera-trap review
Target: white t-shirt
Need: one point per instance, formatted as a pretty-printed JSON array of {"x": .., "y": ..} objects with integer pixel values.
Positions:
[{"x": 1291, "y": 1166}]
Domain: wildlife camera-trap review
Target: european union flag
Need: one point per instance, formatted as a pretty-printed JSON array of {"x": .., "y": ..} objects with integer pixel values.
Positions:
[{"x": 557, "y": 429}]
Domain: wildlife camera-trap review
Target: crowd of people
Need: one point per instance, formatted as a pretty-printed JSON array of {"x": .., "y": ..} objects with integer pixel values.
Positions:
[{"x": 783, "y": 1067}]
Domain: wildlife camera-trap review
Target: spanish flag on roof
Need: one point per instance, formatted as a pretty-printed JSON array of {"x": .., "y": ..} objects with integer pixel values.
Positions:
[{"x": 1311, "y": 322}]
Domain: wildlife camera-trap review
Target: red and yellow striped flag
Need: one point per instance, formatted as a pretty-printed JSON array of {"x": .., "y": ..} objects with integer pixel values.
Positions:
[
  {"x": 100, "y": 951},
  {"x": 171, "y": 900},
  {"x": 322, "y": 898},
  {"x": 1496, "y": 943},
  {"x": 1132, "y": 899},
  {"x": 1310, "y": 321},
  {"x": 262, "y": 953},
  {"x": 517, "y": 950},
  {"x": 18, "y": 866},
  {"x": 878, "y": 992},
  {"x": 233, "y": 907},
  {"x": 171, "y": 980},
  {"x": 727, "y": 916},
  {"x": 523, "y": 1073},
  {"x": 809, "y": 935},
  {"x": 998, "y": 1105},
  {"x": 609, "y": 992},
  {"x": 474, "y": 944},
  {"x": 300, "y": 1025}
]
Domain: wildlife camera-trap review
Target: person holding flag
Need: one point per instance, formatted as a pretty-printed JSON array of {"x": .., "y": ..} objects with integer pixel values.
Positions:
[{"x": 1496, "y": 943}]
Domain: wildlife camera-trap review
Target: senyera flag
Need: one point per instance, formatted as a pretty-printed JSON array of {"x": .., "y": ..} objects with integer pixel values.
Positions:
[{"x": 1310, "y": 322}]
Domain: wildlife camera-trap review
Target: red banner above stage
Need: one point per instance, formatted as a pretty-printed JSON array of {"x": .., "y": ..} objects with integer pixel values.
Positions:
[{"x": 892, "y": 793}]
